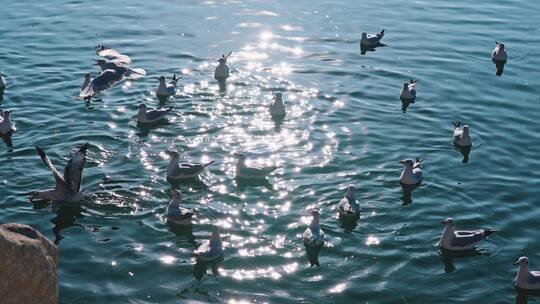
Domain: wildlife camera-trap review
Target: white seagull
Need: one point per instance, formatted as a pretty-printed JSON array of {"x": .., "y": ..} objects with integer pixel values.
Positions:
[
  {"x": 221, "y": 73},
  {"x": 408, "y": 92},
  {"x": 175, "y": 213},
  {"x": 461, "y": 135},
  {"x": 6, "y": 126},
  {"x": 412, "y": 173},
  {"x": 526, "y": 279},
  {"x": 145, "y": 116},
  {"x": 212, "y": 249},
  {"x": 313, "y": 238},
  {"x": 499, "y": 53},
  {"x": 252, "y": 171},
  {"x": 277, "y": 108},
  {"x": 371, "y": 40},
  {"x": 166, "y": 89},
  {"x": 68, "y": 186},
  {"x": 348, "y": 206},
  {"x": 452, "y": 239},
  {"x": 176, "y": 170}
]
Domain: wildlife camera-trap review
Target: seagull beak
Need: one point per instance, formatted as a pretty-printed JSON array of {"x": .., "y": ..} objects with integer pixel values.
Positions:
[
  {"x": 443, "y": 222},
  {"x": 402, "y": 162}
]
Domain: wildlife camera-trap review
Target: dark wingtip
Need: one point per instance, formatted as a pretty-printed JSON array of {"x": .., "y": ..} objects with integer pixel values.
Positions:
[
  {"x": 488, "y": 232},
  {"x": 84, "y": 147},
  {"x": 209, "y": 163}
]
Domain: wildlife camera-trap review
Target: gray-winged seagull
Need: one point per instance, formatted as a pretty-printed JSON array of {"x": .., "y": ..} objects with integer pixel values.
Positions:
[
  {"x": 452, "y": 239},
  {"x": 461, "y": 135},
  {"x": 348, "y": 206},
  {"x": 145, "y": 116},
  {"x": 408, "y": 92},
  {"x": 68, "y": 186},
  {"x": 412, "y": 173},
  {"x": 6, "y": 126},
  {"x": 166, "y": 89},
  {"x": 221, "y": 73},
  {"x": 526, "y": 279},
  {"x": 176, "y": 170},
  {"x": 371, "y": 39},
  {"x": 252, "y": 171},
  {"x": 313, "y": 238},
  {"x": 277, "y": 108},
  {"x": 211, "y": 249},
  {"x": 175, "y": 213}
]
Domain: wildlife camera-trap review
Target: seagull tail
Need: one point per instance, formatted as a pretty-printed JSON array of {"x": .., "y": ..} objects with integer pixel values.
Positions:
[
  {"x": 138, "y": 73},
  {"x": 87, "y": 92}
]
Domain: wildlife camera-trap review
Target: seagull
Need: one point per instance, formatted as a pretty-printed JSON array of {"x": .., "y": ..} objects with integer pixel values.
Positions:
[
  {"x": 461, "y": 135},
  {"x": 348, "y": 206},
  {"x": 221, "y": 73},
  {"x": 313, "y": 238},
  {"x": 166, "y": 89},
  {"x": 499, "y": 53},
  {"x": 112, "y": 54},
  {"x": 2, "y": 81},
  {"x": 371, "y": 39},
  {"x": 102, "y": 82},
  {"x": 177, "y": 170},
  {"x": 120, "y": 69},
  {"x": 408, "y": 92},
  {"x": 277, "y": 108},
  {"x": 412, "y": 174},
  {"x": 460, "y": 240},
  {"x": 6, "y": 126},
  {"x": 253, "y": 172},
  {"x": 145, "y": 116},
  {"x": 212, "y": 249},
  {"x": 177, "y": 214},
  {"x": 68, "y": 186},
  {"x": 526, "y": 279}
]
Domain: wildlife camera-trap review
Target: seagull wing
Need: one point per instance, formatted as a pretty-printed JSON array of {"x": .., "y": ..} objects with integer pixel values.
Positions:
[
  {"x": 468, "y": 239},
  {"x": 113, "y": 55},
  {"x": 73, "y": 171},
  {"x": 105, "y": 80},
  {"x": 60, "y": 182},
  {"x": 157, "y": 113}
]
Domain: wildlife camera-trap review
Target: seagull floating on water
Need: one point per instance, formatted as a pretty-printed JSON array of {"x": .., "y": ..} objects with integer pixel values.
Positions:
[
  {"x": 461, "y": 135},
  {"x": 526, "y": 279},
  {"x": 212, "y": 249},
  {"x": 313, "y": 238},
  {"x": 460, "y": 240},
  {"x": 145, "y": 116},
  {"x": 499, "y": 53},
  {"x": 277, "y": 108},
  {"x": 252, "y": 171},
  {"x": 68, "y": 186},
  {"x": 6, "y": 126},
  {"x": 498, "y": 56},
  {"x": 176, "y": 170},
  {"x": 408, "y": 92},
  {"x": 102, "y": 82},
  {"x": 371, "y": 40},
  {"x": 348, "y": 206},
  {"x": 175, "y": 213},
  {"x": 166, "y": 89},
  {"x": 221, "y": 73},
  {"x": 412, "y": 174}
]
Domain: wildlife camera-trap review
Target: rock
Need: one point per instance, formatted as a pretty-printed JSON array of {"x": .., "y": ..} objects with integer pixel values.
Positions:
[{"x": 28, "y": 266}]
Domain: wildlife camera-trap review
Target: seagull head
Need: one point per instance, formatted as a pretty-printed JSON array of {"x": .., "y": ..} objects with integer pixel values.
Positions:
[
  {"x": 6, "y": 114},
  {"x": 142, "y": 108},
  {"x": 172, "y": 153},
  {"x": 176, "y": 195},
  {"x": 465, "y": 128},
  {"x": 351, "y": 192},
  {"x": 448, "y": 222},
  {"x": 240, "y": 156},
  {"x": 501, "y": 46},
  {"x": 216, "y": 237},
  {"x": 407, "y": 162},
  {"x": 364, "y": 35},
  {"x": 161, "y": 79},
  {"x": 100, "y": 62},
  {"x": 522, "y": 261},
  {"x": 405, "y": 85},
  {"x": 87, "y": 76},
  {"x": 278, "y": 97}
]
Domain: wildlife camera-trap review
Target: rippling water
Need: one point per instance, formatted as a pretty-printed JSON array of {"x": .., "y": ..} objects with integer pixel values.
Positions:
[{"x": 345, "y": 125}]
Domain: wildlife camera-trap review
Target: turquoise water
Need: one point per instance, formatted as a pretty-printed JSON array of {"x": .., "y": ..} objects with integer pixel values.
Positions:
[{"x": 345, "y": 125}]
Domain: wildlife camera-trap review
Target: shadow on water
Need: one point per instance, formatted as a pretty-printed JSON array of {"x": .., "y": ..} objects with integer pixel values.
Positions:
[
  {"x": 465, "y": 151},
  {"x": 348, "y": 223},
  {"x": 7, "y": 139},
  {"x": 405, "y": 104},
  {"x": 447, "y": 257},
  {"x": 242, "y": 183},
  {"x": 406, "y": 191},
  {"x": 522, "y": 295},
  {"x": 185, "y": 231},
  {"x": 365, "y": 49},
  {"x": 200, "y": 267},
  {"x": 195, "y": 182},
  {"x": 312, "y": 253},
  {"x": 66, "y": 214},
  {"x": 144, "y": 129},
  {"x": 499, "y": 65},
  {"x": 222, "y": 86}
]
